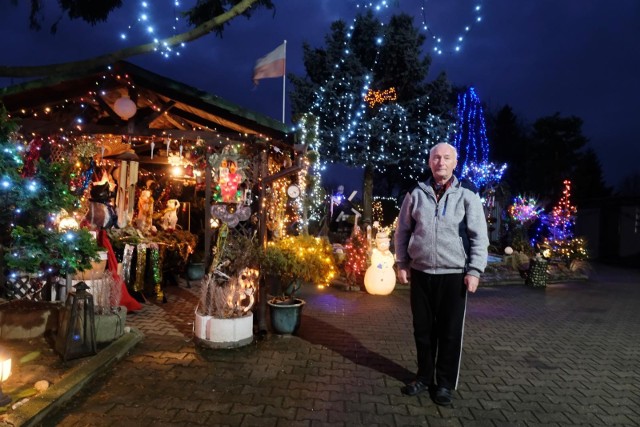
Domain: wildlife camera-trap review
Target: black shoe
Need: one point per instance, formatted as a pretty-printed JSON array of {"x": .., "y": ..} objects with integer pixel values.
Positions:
[
  {"x": 443, "y": 397},
  {"x": 414, "y": 388}
]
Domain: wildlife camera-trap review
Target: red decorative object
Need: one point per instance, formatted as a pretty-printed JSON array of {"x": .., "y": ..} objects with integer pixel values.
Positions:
[
  {"x": 112, "y": 264},
  {"x": 31, "y": 158}
]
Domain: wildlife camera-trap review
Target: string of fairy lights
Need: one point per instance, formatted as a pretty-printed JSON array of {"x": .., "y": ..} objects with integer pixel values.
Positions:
[
  {"x": 441, "y": 44},
  {"x": 472, "y": 143},
  {"x": 148, "y": 22},
  {"x": 377, "y": 140},
  {"x": 554, "y": 232},
  {"x": 148, "y": 26}
]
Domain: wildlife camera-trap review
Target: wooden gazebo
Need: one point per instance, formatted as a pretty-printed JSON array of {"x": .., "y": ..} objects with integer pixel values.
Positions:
[{"x": 126, "y": 106}]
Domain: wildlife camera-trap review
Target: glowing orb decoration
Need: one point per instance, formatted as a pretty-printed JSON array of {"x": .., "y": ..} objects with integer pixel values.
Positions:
[
  {"x": 508, "y": 250},
  {"x": 68, "y": 223},
  {"x": 125, "y": 108}
]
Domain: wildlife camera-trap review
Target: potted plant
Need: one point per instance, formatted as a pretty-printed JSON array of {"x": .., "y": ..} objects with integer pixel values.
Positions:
[
  {"x": 294, "y": 261},
  {"x": 223, "y": 317},
  {"x": 195, "y": 267}
]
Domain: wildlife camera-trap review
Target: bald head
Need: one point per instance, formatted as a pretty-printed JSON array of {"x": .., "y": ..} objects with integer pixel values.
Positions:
[{"x": 445, "y": 145}]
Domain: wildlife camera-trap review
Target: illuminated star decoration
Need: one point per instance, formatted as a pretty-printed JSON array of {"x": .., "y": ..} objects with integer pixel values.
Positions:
[{"x": 374, "y": 97}]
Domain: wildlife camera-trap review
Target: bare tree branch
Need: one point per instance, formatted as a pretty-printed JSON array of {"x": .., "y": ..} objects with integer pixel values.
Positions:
[{"x": 65, "y": 67}]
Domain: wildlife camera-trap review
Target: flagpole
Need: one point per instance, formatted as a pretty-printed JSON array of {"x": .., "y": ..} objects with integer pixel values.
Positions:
[{"x": 284, "y": 78}]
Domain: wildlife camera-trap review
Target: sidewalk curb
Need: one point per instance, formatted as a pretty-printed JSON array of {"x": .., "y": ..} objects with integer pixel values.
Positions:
[{"x": 35, "y": 410}]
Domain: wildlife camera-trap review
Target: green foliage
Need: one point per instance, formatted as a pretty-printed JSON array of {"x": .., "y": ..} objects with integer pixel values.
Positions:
[
  {"x": 36, "y": 249},
  {"x": 28, "y": 242},
  {"x": 299, "y": 259},
  {"x": 391, "y": 138},
  {"x": 553, "y": 144},
  {"x": 240, "y": 251}
]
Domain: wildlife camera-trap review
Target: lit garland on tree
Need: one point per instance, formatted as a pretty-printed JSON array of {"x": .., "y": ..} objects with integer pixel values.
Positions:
[
  {"x": 437, "y": 38},
  {"x": 33, "y": 196},
  {"x": 524, "y": 209},
  {"x": 309, "y": 178},
  {"x": 472, "y": 144},
  {"x": 149, "y": 27},
  {"x": 561, "y": 242},
  {"x": 393, "y": 135},
  {"x": 356, "y": 257}
]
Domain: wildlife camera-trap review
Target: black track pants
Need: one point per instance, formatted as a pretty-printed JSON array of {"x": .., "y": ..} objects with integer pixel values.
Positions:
[{"x": 438, "y": 305}]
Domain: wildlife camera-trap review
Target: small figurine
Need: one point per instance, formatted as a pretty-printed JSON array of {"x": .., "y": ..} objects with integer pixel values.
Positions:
[
  {"x": 144, "y": 220},
  {"x": 169, "y": 217}
]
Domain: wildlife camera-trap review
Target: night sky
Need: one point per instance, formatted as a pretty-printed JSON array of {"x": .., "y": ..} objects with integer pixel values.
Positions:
[{"x": 574, "y": 57}]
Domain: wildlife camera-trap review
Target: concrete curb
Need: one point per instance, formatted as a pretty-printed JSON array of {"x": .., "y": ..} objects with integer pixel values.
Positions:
[{"x": 37, "y": 408}]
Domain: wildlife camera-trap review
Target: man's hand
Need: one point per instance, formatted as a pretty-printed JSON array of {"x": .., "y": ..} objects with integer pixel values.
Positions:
[
  {"x": 404, "y": 275},
  {"x": 471, "y": 282}
]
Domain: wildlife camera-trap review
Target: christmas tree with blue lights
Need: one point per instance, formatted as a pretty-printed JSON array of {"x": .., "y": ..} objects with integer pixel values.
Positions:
[
  {"x": 472, "y": 143},
  {"x": 34, "y": 191},
  {"x": 561, "y": 243}
]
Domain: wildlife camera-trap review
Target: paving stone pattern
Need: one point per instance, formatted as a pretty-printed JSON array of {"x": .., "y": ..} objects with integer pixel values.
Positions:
[{"x": 565, "y": 355}]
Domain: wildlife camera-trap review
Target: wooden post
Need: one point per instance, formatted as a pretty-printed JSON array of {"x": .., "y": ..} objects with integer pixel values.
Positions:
[{"x": 207, "y": 211}]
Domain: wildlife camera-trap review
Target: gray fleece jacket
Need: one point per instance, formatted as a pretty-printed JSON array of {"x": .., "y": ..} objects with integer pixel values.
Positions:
[{"x": 443, "y": 237}]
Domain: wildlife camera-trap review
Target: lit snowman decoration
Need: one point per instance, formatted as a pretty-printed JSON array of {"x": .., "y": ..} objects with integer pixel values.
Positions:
[{"x": 380, "y": 278}]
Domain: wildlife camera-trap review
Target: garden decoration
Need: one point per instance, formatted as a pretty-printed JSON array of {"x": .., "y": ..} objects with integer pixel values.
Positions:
[
  {"x": 223, "y": 316},
  {"x": 380, "y": 277},
  {"x": 294, "y": 261}
]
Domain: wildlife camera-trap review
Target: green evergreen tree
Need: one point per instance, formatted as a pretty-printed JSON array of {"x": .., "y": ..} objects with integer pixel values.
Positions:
[
  {"x": 388, "y": 137},
  {"x": 32, "y": 194},
  {"x": 588, "y": 180},
  {"x": 556, "y": 145}
]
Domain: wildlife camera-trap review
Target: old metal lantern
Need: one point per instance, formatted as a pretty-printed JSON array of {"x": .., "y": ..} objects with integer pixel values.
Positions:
[{"x": 77, "y": 328}]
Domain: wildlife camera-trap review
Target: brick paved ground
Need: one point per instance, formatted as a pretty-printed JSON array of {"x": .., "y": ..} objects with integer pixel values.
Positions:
[{"x": 561, "y": 356}]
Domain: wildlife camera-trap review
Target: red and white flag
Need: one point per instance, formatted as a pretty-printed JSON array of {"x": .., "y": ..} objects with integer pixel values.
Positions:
[{"x": 271, "y": 65}]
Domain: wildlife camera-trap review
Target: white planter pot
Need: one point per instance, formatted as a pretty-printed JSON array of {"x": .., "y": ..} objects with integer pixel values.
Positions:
[{"x": 215, "y": 332}]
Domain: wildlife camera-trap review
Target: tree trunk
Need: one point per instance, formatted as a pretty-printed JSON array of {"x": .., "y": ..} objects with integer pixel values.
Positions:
[{"x": 367, "y": 196}]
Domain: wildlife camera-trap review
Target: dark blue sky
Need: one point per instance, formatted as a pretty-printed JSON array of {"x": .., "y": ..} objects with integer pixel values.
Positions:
[{"x": 574, "y": 57}]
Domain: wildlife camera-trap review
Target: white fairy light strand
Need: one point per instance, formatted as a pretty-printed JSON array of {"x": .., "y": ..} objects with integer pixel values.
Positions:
[
  {"x": 439, "y": 41},
  {"x": 145, "y": 19}
]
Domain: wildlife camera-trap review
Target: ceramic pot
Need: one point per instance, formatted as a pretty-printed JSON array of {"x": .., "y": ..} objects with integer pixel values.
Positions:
[
  {"x": 195, "y": 270},
  {"x": 285, "y": 315}
]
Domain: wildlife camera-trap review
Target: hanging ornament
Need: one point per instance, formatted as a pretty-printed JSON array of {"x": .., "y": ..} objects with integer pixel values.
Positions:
[
  {"x": 31, "y": 158},
  {"x": 153, "y": 145},
  {"x": 125, "y": 107}
]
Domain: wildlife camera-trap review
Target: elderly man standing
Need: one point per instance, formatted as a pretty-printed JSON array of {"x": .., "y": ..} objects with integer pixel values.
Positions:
[{"x": 441, "y": 246}]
